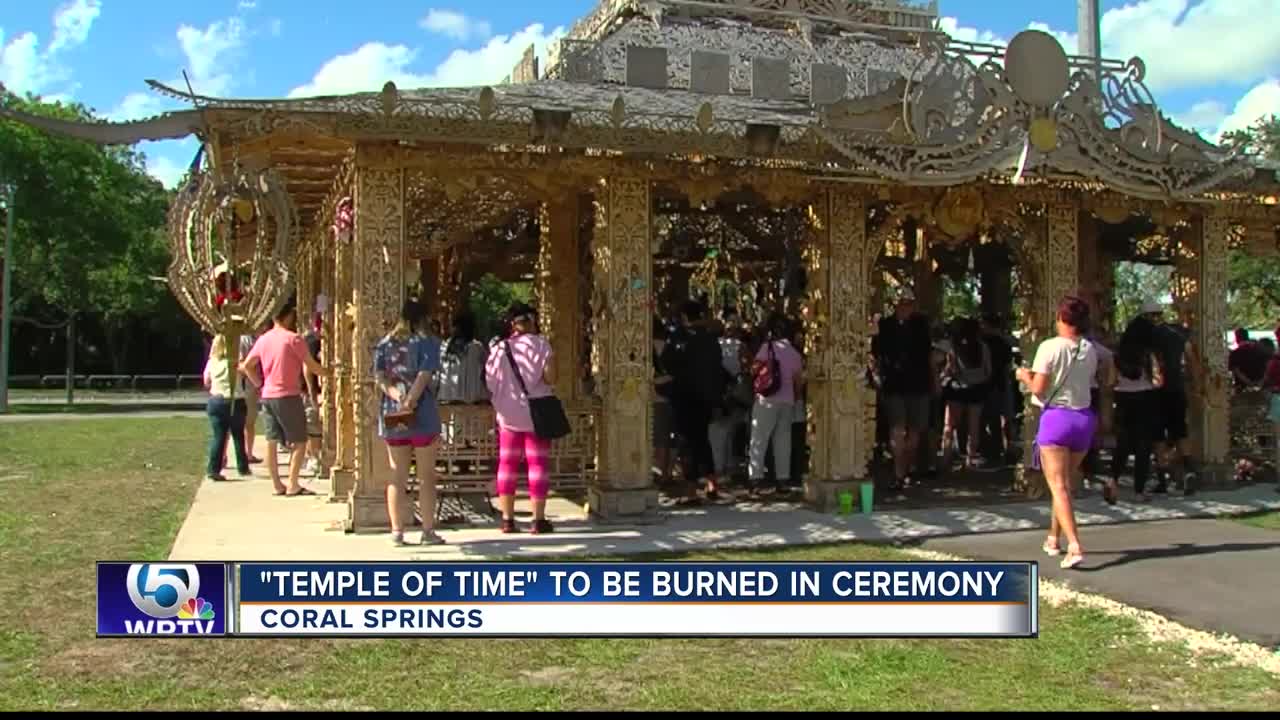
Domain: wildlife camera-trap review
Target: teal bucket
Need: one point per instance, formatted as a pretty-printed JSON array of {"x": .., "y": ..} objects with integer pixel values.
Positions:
[{"x": 868, "y": 494}]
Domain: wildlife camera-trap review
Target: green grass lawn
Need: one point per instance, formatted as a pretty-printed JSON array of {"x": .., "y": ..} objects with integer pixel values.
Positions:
[
  {"x": 76, "y": 492},
  {"x": 1265, "y": 520}
]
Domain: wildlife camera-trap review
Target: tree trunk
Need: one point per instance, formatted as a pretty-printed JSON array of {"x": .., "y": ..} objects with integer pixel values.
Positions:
[
  {"x": 71, "y": 359},
  {"x": 117, "y": 335}
]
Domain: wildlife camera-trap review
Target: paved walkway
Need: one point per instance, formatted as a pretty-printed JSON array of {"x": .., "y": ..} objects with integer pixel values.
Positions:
[
  {"x": 1208, "y": 574},
  {"x": 242, "y": 520}
]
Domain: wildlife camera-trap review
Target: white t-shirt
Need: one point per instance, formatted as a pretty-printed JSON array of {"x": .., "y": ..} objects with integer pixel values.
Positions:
[{"x": 1071, "y": 377}]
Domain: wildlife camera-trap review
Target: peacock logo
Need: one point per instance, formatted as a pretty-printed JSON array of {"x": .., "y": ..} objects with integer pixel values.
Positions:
[{"x": 196, "y": 609}]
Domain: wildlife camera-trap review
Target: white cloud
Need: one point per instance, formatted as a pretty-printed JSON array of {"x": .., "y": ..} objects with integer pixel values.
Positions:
[
  {"x": 952, "y": 27},
  {"x": 1216, "y": 40},
  {"x": 276, "y": 27},
  {"x": 168, "y": 172},
  {"x": 136, "y": 105},
  {"x": 454, "y": 24},
  {"x": 1070, "y": 41},
  {"x": 1183, "y": 43},
  {"x": 71, "y": 23},
  {"x": 26, "y": 68},
  {"x": 1261, "y": 101},
  {"x": 1203, "y": 117},
  {"x": 209, "y": 56},
  {"x": 207, "y": 52},
  {"x": 371, "y": 65},
  {"x": 247, "y": 4}
]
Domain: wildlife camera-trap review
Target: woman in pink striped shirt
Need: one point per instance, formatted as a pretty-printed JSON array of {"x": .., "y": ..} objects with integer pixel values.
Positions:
[{"x": 526, "y": 352}]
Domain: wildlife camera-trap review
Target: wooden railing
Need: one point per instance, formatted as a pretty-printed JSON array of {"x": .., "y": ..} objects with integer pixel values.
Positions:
[{"x": 467, "y": 455}]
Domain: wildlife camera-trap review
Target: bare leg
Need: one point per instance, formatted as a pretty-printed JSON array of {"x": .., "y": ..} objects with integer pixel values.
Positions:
[
  {"x": 297, "y": 452},
  {"x": 399, "y": 457},
  {"x": 1059, "y": 463},
  {"x": 974, "y": 426},
  {"x": 898, "y": 441},
  {"x": 273, "y": 466},
  {"x": 426, "y": 457},
  {"x": 953, "y": 413}
]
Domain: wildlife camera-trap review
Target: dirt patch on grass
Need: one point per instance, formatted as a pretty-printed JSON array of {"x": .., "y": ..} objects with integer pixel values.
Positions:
[{"x": 548, "y": 676}]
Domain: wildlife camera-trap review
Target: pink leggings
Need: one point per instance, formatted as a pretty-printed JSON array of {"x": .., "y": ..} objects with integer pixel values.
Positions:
[{"x": 513, "y": 447}]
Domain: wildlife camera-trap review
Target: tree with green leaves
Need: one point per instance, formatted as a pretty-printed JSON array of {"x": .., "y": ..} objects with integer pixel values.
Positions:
[
  {"x": 88, "y": 227},
  {"x": 1253, "y": 282}
]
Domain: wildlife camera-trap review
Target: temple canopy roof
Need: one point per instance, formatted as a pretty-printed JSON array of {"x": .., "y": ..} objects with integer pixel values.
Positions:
[{"x": 869, "y": 89}]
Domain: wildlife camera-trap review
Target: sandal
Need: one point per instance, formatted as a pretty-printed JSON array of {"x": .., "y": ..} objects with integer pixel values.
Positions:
[
  {"x": 301, "y": 491},
  {"x": 1074, "y": 557},
  {"x": 508, "y": 526},
  {"x": 1050, "y": 548}
]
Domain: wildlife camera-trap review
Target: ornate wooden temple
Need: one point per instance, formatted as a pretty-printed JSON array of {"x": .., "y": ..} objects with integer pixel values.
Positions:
[{"x": 821, "y": 151}]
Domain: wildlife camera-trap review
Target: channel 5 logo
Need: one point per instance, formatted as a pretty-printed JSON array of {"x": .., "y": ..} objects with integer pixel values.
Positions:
[{"x": 161, "y": 599}]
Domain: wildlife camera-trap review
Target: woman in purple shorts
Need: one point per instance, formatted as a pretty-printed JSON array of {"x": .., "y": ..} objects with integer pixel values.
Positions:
[{"x": 1059, "y": 380}]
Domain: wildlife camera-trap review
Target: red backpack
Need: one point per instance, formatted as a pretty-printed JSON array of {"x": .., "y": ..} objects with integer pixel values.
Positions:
[{"x": 767, "y": 375}]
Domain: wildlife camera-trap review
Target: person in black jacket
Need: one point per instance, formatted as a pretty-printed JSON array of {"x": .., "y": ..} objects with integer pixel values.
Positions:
[{"x": 699, "y": 385}]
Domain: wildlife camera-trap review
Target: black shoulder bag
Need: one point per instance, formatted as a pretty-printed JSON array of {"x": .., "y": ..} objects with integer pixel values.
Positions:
[{"x": 549, "y": 419}]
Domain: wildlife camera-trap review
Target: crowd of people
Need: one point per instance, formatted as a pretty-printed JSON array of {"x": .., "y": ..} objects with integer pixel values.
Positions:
[
  {"x": 279, "y": 374},
  {"x": 728, "y": 406},
  {"x": 943, "y": 388}
]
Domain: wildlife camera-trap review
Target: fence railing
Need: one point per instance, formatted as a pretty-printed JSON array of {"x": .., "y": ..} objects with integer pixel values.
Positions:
[{"x": 131, "y": 383}]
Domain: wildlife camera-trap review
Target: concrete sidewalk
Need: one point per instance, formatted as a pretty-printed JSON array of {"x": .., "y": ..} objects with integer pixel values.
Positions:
[
  {"x": 242, "y": 520},
  {"x": 1208, "y": 574}
]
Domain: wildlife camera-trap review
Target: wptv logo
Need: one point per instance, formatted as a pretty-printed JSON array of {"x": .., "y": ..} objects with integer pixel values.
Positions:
[{"x": 163, "y": 599}]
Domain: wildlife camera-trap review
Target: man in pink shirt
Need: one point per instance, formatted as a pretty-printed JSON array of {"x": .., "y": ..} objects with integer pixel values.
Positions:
[{"x": 281, "y": 354}]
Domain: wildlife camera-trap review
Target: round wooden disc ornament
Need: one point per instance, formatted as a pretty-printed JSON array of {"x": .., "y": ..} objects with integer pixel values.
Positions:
[{"x": 1037, "y": 69}]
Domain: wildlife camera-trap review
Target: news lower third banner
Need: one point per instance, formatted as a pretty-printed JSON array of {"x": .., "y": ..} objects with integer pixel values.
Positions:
[{"x": 569, "y": 599}]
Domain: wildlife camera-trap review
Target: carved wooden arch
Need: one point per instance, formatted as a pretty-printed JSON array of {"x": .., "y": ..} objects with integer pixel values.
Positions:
[
  {"x": 1026, "y": 242},
  {"x": 446, "y": 212}
]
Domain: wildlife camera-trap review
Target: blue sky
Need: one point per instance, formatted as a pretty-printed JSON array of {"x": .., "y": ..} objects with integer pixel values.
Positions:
[{"x": 1213, "y": 65}]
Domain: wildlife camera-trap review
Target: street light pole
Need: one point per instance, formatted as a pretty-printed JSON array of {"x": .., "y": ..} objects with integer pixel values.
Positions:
[{"x": 6, "y": 305}]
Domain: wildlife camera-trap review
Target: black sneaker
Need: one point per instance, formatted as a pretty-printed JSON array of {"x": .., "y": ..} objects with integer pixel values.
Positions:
[
  {"x": 542, "y": 526},
  {"x": 1162, "y": 487}
]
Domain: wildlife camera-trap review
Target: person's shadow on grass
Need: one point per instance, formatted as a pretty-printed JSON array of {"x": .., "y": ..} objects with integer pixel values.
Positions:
[{"x": 1124, "y": 557}]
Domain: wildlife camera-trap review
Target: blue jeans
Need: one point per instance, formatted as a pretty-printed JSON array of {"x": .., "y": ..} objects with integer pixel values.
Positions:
[{"x": 226, "y": 417}]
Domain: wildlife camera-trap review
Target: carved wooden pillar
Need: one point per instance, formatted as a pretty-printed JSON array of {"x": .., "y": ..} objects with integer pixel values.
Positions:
[
  {"x": 841, "y": 407},
  {"x": 342, "y": 478},
  {"x": 451, "y": 296},
  {"x": 1052, "y": 243},
  {"x": 622, "y": 354},
  {"x": 558, "y": 288},
  {"x": 1210, "y": 402},
  {"x": 378, "y": 274}
]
